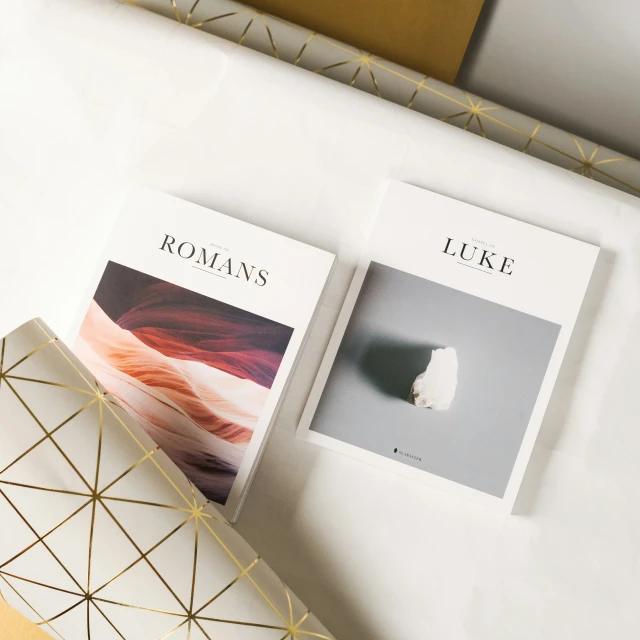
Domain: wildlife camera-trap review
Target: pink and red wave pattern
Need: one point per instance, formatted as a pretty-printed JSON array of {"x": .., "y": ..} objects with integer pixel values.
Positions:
[{"x": 194, "y": 371}]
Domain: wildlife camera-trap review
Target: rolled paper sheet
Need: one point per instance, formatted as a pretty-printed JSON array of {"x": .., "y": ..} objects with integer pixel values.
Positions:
[
  {"x": 102, "y": 536},
  {"x": 340, "y": 61}
]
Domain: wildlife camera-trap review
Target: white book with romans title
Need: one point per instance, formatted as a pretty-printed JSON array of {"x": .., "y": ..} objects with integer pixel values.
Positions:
[{"x": 194, "y": 323}]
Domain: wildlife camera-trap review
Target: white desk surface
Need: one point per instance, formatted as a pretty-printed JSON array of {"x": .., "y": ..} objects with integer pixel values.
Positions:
[{"x": 96, "y": 93}]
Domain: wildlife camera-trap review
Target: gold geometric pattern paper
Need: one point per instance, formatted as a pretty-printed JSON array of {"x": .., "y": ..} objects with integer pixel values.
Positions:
[
  {"x": 322, "y": 55},
  {"x": 102, "y": 536}
]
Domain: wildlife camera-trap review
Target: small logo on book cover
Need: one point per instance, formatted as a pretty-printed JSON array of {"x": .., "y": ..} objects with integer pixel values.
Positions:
[{"x": 407, "y": 455}]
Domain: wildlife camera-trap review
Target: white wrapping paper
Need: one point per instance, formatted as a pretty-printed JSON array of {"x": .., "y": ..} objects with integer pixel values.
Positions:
[
  {"x": 320, "y": 54},
  {"x": 102, "y": 536}
]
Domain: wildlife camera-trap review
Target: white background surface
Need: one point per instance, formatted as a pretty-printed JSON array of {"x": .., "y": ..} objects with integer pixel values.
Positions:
[{"x": 94, "y": 93}]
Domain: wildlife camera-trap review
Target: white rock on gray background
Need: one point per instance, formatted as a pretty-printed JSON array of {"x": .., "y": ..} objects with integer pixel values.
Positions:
[{"x": 435, "y": 388}]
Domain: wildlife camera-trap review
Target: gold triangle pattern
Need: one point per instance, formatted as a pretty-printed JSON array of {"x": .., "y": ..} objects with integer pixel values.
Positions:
[{"x": 99, "y": 557}]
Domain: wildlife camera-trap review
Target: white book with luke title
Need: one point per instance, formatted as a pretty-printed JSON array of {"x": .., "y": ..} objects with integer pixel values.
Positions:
[{"x": 448, "y": 345}]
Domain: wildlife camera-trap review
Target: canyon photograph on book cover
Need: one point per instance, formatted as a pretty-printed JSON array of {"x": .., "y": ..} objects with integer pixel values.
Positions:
[{"x": 195, "y": 372}]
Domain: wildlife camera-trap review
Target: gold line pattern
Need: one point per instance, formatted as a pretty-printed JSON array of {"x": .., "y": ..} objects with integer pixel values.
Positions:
[
  {"x": 98, "y": 594},
  {"x": 319, "y": 54}
]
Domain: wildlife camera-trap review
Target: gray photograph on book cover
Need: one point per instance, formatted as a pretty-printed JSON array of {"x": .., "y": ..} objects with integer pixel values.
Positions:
[{"x": 397, "y": 322}]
